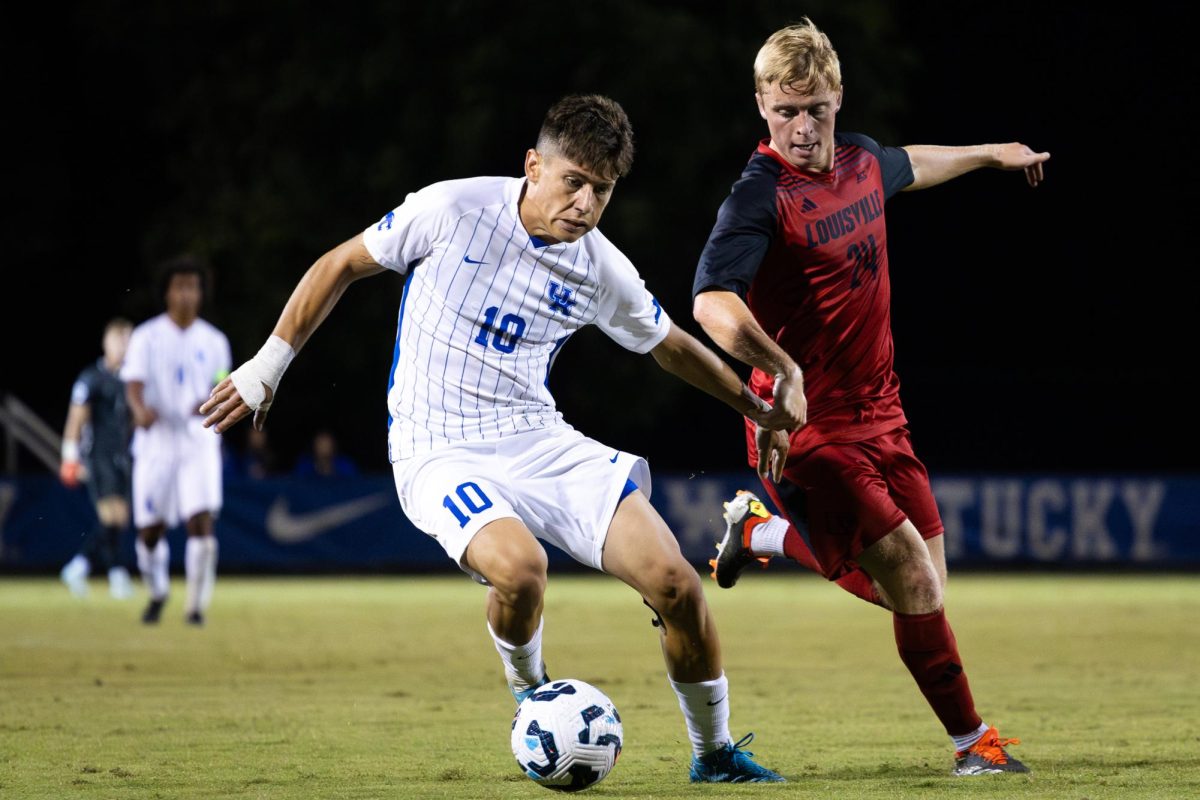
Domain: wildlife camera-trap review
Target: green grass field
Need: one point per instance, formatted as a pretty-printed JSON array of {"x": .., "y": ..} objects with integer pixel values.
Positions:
[{"x": 390, "y": 688}]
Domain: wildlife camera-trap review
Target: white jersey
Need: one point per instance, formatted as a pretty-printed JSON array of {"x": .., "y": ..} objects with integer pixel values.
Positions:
[
  {"x": 178, "y": 368},
  {"x": 486, "y": 308}
]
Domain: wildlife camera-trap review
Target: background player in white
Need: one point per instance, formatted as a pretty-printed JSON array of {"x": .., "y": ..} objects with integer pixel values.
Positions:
[
  {"x": 173, "y": 362},
  {"x": 95, "y": 450},
  {"x": 500, "y": 271}
]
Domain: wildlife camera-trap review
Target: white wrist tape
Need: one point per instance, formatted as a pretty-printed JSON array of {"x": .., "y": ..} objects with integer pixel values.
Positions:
[
  {"x": 266, "y": 367},
  {"x": 70, "y": 450},
  {"x": 757, "y": 402}
]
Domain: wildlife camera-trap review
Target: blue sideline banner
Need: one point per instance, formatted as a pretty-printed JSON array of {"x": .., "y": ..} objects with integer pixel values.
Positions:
[
  {"x": 1003, "y": 520},
  {"x": 288, "y": 525}
]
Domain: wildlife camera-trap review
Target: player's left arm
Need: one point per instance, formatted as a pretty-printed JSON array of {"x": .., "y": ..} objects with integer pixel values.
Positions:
[
  {"x": 934, "y": 164},
  {"x": 684, "y": 356}
]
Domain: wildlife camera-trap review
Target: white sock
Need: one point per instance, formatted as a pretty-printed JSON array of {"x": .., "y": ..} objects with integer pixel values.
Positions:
[
  {"x": 160, "y": 566},
  {"x": 119, "y": 585},
  {"x": 523, "y": 664},
  {"x": 965, "y": 741},
  {"x": 705, "y": 707},
  {"x": 195, "y": 557},
  {"x": 766, "y": 538},
  {"x": 209, "y": 579},
  {"x": 77, "y": 566},
  {"x": 144, "y": 564}
]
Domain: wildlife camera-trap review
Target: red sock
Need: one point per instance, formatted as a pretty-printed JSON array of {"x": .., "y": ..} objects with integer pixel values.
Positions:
[
  {"x": 859, "y": 584},
  {"x": 795, "y": 549},
  {"x": 927, "y": 647}
]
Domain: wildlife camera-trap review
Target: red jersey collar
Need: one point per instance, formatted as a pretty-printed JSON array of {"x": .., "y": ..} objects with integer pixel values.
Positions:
[{"x": 764, "y": 147}]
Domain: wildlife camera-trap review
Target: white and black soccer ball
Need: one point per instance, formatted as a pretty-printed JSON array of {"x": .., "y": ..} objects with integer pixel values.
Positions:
[{"x": 567, "y": 735}]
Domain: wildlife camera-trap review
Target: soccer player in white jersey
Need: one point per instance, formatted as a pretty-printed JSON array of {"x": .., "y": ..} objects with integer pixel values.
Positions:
[
  {"x": 172, "y": 364},
  {"x": 499, "y": 273}
]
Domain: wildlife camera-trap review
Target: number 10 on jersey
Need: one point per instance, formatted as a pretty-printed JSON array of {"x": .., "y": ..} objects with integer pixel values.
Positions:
[{"x": 504, "y": 337}]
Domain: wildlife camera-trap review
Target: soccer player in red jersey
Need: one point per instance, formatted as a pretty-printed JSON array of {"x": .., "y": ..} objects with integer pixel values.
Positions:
[{"x": 794, "y": 282}]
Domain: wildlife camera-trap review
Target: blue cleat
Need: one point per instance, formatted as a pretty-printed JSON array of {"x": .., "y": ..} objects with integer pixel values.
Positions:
[
  {"x": 731, "y": 764},
  {"x": 522, "y": 694}
]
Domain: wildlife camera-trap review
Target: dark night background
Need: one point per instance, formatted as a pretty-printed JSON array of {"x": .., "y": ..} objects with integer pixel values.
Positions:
[{"x": 1036, "y": 330}]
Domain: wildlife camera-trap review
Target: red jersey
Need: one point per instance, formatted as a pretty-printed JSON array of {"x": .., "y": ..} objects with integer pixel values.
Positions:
[{"x": 808, "y": 253}]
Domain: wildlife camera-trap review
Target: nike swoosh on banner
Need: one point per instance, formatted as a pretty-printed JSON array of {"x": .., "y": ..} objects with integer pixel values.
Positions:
[{"x": 288, "y": 528}]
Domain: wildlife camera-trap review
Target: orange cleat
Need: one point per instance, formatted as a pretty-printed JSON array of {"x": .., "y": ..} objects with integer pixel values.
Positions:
[
  {"x": 987, "y": 756},
  {"x": 733, "y": 551}
]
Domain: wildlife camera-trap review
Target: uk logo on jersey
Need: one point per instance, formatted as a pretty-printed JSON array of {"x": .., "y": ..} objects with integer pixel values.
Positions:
[
  {"x": 561, "y": 300},
  {"x": 386, "y": 221}
]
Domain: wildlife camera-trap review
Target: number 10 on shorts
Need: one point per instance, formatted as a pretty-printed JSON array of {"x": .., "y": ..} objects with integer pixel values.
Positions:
[{"x": 470, "y": 496}]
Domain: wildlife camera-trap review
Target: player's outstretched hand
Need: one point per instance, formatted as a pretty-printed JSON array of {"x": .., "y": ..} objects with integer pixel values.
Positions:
[
  {"x": 772, "y": 452},
  {"x": 1014, "y": 156},
  {"x": 225, "y": 407}
]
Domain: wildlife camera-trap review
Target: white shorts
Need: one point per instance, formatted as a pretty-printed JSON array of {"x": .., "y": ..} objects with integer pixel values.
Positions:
[
  {"x": 562, "y": 485},
  {"x": 176, "y": 475}
]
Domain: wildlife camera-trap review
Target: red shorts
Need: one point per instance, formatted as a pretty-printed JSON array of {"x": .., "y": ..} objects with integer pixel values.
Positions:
[{"x": 842, "y": 498}]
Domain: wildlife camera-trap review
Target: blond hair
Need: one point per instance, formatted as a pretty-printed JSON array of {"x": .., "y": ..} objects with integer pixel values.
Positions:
[{"x": 801, "y": 56}]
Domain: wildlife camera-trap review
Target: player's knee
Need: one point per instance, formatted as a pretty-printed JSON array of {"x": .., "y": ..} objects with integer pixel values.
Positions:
[
  {"x": 520, "y": 579},
  {"x": 522, "y": 589},
  {"x": 200, "y": 524},
  {"x": 150, "y": 535},
  {"x": 674, "y": 589},
  {"x": 922, "y": 585}
]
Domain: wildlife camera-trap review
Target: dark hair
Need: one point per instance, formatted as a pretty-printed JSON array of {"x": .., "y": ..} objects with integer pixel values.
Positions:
[
  {"x": 591, "y": 130},
  {"x": 186, "y": 264}
]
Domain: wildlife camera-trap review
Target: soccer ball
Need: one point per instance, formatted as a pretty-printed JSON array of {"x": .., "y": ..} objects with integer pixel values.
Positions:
[{"x": 567, "y": 735}]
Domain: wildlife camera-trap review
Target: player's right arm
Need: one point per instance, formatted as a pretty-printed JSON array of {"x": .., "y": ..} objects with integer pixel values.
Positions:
[
  {"x": 321, "y": 288},
  {"x": 135, "y": 395},
  {"x": 135, "y": 370},
  {"x": 313, "y": 298},
  {"x": 403, "y": 238},
  {"x": 728, "y": 322},
  {"x": 71, "y": 471},
  {"x": 747, "y": 223}
]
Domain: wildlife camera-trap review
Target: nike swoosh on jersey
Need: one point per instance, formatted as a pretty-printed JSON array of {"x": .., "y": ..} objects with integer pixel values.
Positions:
[
  {"x": 470, "y": 260},
  {"x": 288, "y": 528},
  {"x": 616, "y": 455}
]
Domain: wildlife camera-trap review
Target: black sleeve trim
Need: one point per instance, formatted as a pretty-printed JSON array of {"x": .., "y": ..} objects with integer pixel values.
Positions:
[
  {"x": 746, "y": 225},
  {"x": 894, "y": 163}
]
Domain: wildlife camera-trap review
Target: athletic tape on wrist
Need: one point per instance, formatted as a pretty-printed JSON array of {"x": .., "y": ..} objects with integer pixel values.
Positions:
[
  {"x": 70, "y": 450},
  {"x": 757, "y": 403},
  {"x": 267, "y": 367}
]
